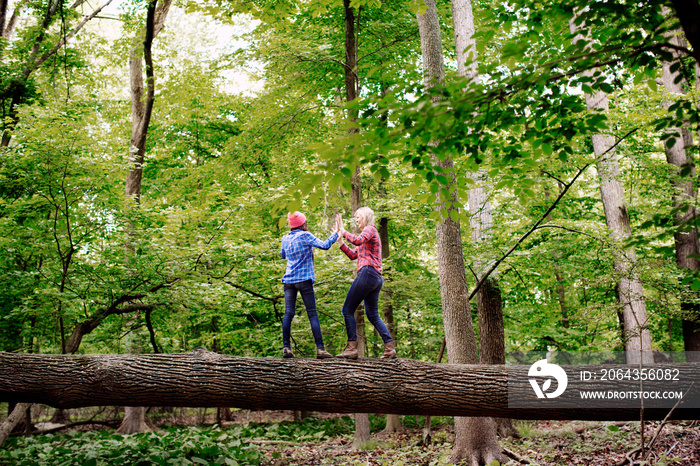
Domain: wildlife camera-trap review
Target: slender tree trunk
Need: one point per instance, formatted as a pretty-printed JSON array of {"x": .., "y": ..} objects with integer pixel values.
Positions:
[
  {"x": 3, "y": 16},
  {"x": 561, "y": 289},
  {"x": 12, "y": 420},
  {"x": 489, "y": 303},
  {"x": 561, "y": 293},
  {"x": 393, "y": 421},
  {"x": 362, "y": 433},
  {"x": 9, "y": 27},
  {"x": 142, "y": 96},
  {"x": 475, "y": 438},
  {"x": 684, "y": 199},
  {"x": 637, "y": 338},
  {"x": 351, "y": 87},
  {"x": 142, "y": 100},
  {"x": 630, "y": 291}
]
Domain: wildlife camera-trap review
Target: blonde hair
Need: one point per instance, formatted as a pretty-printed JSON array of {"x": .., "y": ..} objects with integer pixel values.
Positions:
[{"x": 366, "y": 214}]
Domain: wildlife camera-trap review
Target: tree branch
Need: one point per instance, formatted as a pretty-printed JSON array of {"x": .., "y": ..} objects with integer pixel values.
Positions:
[
  {"x": 544, "y": 216},
  {"x": 37, "y": 63},
  {"x": 274, "y": 299},
  {"x": 384, "y": 46}
]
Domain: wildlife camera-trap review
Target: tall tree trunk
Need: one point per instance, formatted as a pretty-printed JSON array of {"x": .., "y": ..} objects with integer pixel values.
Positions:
[
  {"x": 488, "y": 300},
  {"x": 393, "y": 421},
  {"x": 630, "y": 291},
  {"x": 142, "y": 96},
  {"x": 688, "y": 13},
  {"x": 684, "y": 199},
  {"x": 637, "y": 338},
  {"x": 351, "y": 88},
  {"x": 489, "y": 303},
  {"x": 561, "y": 293},
  {"x": 691, "y": 328},
  {"x": 3, "y": 16},
  {"x": 561, "y": 289},
  {"x": 142, "y": 100},
  {"x": 475, "y": 438}
]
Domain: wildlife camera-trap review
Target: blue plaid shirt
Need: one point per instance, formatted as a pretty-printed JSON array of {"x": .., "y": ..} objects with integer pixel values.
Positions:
[{"x": 296, "y": 248}]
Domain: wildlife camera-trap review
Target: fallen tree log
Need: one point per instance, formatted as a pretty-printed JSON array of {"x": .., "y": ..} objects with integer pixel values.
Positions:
[{"x": 206, "y": 379}]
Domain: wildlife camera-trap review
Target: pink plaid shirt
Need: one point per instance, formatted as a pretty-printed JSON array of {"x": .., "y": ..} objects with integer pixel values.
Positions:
[{"x": 368, "y": 250}]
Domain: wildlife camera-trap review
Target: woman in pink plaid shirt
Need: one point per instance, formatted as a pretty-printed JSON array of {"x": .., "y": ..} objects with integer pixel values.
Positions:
[{"x": 368, "y": 282}]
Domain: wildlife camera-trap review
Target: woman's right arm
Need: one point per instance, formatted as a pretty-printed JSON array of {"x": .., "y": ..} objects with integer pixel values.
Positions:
[
  {"x": 351, "y": 253},
  {"x": 358, "y": 239}
]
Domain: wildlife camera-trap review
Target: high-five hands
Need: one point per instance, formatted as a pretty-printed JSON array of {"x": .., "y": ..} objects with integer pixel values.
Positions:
[{"x": 339, "y": 228}]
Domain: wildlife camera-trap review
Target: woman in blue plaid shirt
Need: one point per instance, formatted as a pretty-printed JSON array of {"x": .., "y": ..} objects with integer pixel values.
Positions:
[{"x": 299, "y": 277}]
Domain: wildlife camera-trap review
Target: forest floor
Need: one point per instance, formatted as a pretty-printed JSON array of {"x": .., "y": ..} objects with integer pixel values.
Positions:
[
  {"x": 541, "y": 443},
  {"x": 274, "y": 438}
]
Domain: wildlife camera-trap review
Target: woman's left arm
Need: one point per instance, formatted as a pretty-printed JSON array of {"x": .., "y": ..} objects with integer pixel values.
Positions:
[{"x": 325, "y": 245}]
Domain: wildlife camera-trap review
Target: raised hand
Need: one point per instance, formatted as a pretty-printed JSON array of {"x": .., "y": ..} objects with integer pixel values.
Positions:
[
  {"x": 339, "y": 227},
  {"x": 339, "y": 224}
]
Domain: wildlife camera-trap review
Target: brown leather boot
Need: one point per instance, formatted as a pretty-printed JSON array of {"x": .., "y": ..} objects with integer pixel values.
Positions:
[
  {"x": 321, "y": 353},
  {"x": 287, "y": 352},
  {"x": 389, "y": 350},
  {"x": 350, "y": 351}
]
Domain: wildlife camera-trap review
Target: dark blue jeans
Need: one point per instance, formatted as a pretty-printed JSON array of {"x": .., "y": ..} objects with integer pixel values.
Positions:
[
  {"x": 306, "y": 289},
  {"x": 366, "y": 287}
]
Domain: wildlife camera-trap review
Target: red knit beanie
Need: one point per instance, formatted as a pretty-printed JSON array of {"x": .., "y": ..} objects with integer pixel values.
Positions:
[{"x": 296, "y": 219}]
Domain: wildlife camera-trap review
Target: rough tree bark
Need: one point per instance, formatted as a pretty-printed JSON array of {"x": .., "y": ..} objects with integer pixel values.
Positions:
[
  {"x": 637, "y": 338},
  {"x": 489, "y": 304},
  {"x": 475, "y": 439},
  {"x": 206, "y": 379},
  {"x": 393, "y": 421},
  {"x": 12, "y": 420},
  {"x": 684, "y": 199},
  {"x": 691, "y": 330}
]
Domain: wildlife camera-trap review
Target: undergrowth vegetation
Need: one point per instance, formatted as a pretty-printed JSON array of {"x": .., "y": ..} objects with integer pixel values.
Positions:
[
  {"x": 234, "y": 445},
  {"x": 328, "y": 440}
]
